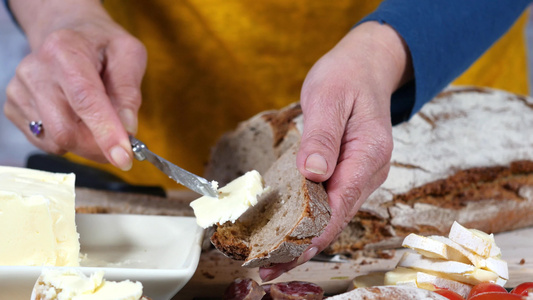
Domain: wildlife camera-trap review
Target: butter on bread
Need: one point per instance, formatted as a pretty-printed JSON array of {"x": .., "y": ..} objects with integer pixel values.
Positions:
[
  {"x": 37, "y": 218},
  {"x": 233, "y": 200}
]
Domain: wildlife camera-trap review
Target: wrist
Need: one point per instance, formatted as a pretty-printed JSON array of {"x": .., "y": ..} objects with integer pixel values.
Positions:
[{"x": 384, "y": 52}]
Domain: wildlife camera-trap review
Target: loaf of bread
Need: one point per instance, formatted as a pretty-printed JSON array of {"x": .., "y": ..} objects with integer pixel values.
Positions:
[
  {"x": 281, "y": 225},
  {"x": 467, "y": 156}
]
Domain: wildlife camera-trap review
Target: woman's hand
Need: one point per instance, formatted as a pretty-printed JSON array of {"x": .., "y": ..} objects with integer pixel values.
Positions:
[
  {"x": 347, "y": 136},
  {"x": 82, "y": 80}
]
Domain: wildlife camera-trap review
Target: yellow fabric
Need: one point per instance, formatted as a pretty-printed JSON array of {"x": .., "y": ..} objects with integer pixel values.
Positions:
[
  {"x": 214, "y": 63},
  {"x": 504, "y": 65}
]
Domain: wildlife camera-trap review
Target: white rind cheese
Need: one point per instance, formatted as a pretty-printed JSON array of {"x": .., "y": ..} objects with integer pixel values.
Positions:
[
  {"x": 233, "y": 200},
  {"x": 71, "y": 284},
  {"x": 37, "y": 218}
]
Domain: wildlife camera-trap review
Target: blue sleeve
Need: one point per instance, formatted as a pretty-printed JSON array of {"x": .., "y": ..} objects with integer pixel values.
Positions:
[
  {"x": 8, "y": 9},
  {"x": 444, "y": 38}
]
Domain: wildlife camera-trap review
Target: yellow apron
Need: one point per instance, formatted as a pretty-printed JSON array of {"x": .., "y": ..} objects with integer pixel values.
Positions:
[{"x": 213, "y": 63}]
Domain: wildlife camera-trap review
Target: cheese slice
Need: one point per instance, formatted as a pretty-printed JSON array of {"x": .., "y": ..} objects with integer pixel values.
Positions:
[
  {"x": 37, "y": 218},
  {"x": 418, "y": 262},
  {"x": 497, "y": 266},
  {"x": 432, "y": 283},
  {"x": 401, "y": 276},
  {"x": 368, "y": 280},
  {"x": 433, "y": 248},
  {"x": 71, "y": 284},
  {"x": 233, "y": 200},
  {"x": 474, "y": 240}
]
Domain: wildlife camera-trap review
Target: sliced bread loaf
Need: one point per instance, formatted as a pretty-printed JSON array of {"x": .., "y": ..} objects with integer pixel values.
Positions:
[
  {"x": 467, "y": 156},
  {"x": 280, "y": 227}
]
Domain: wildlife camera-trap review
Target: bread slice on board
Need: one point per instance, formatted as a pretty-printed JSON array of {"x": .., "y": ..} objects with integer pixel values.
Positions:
[
  {"x": 281, "y": 226},
  {"x": 467, "y": 156}
]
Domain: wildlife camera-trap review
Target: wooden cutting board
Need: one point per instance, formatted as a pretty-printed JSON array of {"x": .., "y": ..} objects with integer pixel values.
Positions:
[{"x": 215, "y": 271}]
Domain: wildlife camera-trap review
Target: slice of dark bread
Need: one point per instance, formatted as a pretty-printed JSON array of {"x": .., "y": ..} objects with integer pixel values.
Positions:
[{"x": 281, "y": 225}]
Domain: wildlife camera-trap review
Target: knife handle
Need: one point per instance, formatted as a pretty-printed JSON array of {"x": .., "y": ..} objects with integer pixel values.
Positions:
[{"x": 137, "y": 147}]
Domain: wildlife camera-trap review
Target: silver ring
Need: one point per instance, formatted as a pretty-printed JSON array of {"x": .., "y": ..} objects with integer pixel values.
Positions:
[{"x": 36, "y": 127}]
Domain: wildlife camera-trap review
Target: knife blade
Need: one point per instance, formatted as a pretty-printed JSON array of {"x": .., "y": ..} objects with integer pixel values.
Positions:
[{"x": 194, "y": 182}]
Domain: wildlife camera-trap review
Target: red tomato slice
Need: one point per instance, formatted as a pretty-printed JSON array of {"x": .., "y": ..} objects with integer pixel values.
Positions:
[
  {"x": 485, "y": 287},
  {"x": 523, "y": 288},
  {"x": 496, "y": 296},
  {"x": 449, "y": 294}
]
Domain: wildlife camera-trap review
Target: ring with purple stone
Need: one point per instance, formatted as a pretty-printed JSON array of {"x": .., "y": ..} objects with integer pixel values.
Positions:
[{"x": 36, "y": 127}]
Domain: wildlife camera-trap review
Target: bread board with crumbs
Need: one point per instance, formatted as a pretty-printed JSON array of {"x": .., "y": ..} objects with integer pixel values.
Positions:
[{"x": 215, "y": 271}]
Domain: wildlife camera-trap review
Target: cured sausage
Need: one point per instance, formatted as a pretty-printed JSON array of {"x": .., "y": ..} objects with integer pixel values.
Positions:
[{"x": 244, "y": 289}]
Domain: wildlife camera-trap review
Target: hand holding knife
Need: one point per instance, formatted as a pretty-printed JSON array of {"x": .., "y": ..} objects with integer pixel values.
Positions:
[{"x": 186, "y": 178}]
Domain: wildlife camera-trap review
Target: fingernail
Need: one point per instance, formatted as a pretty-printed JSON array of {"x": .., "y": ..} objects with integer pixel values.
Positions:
[
  {"x": 317, "y": 164},
  {"x": 307, "y": 255},
  {"x": 272, "y": 274},
  {"x": 127, "y": 117},
  {"x": 120, "y": 158}
]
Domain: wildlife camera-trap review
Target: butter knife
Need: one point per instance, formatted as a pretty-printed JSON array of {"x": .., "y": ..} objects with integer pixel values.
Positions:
[{"x": 196, "y": 183}]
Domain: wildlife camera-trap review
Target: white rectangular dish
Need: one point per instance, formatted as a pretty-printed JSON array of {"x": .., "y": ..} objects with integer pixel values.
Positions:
[{"x": 161, "y": 252}]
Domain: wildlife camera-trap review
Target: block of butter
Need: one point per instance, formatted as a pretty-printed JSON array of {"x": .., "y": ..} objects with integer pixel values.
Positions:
[
  {"x": 233, "y": 200},
  {"x": 71, "y": 284},
  {"x": 37, "y": 218}
]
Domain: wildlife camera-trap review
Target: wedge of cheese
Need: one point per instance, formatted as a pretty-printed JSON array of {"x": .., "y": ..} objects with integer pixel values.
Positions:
[
  {"x": 233, "y": 200},
  {"x": 37, "y": 218}
]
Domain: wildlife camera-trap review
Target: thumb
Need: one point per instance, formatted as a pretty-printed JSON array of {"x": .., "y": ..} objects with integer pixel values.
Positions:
[
  {"x": 123, "y": 75},
  {"x": 324, "y": 125}
]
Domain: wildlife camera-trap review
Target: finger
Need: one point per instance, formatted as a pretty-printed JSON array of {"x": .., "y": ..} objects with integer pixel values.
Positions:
[
  {"x": 325, "y": 115},
  {"x": 273, "y": 272},
  {"x": 80, "y": 81},
  {"x": 122, "y": 77}
]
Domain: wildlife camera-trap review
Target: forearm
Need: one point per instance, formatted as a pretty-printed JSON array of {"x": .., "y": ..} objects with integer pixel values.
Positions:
[
  {"x": 389, "y": 53},
  {"x": 39, "y": 18}
]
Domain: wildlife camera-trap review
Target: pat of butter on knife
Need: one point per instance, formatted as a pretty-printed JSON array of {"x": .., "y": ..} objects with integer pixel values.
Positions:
[{"x": 233, "y": 200}]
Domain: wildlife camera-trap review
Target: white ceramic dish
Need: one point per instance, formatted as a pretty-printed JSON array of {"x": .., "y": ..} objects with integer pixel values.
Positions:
[{"x": 159, "y": 251}]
